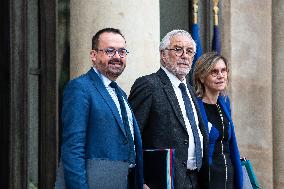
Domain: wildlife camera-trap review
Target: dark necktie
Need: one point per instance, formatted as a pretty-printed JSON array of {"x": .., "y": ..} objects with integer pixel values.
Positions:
[
  {"x": 131, "y": 156},
  {"x": 190, "y": 115}
]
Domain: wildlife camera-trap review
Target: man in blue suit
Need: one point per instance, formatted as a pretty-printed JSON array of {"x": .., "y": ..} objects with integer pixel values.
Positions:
[{"x": 101, "y": 142}]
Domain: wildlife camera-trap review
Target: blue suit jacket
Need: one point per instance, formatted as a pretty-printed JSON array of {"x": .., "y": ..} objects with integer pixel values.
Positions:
[
  {"x": 224, "y": 102},
  {"x": 93, "y": 132}
]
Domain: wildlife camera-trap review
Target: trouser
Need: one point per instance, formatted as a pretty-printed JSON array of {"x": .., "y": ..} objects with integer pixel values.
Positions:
[
  {"x": 131, "y": 178},
  {"x": 191, "y": 181}
]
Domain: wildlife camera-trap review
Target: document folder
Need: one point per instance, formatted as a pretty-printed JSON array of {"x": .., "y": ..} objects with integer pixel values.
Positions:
[{"x": 159, "y": 168}]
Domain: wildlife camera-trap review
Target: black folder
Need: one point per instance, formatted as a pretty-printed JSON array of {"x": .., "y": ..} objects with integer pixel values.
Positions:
[{"x": 158, "y": 168}]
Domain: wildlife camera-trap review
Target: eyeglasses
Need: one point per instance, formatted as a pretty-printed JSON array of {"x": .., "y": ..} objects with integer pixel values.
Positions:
[
  {"x": 179, "y": 51},
  {"x": 122, "y": 52},
  {"x": 215, "y": 72}
]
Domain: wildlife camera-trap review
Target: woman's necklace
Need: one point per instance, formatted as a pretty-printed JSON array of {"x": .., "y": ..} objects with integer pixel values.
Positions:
[{"x": 222, "y": 142}]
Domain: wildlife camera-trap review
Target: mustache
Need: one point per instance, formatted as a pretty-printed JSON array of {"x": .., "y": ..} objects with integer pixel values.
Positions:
[
  {"x": 184, "y": 62},
  {"x": 115, "y": 61}
]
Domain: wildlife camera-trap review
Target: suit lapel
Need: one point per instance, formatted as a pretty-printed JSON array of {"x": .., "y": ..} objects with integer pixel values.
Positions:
[
  {"x": 107, "y": 98},
  {"x": 224, "y": 107},
  {"x": 168, "y": 88},
  {"x": 203, "y": 113},
  {"x": 202, "y": 126}
]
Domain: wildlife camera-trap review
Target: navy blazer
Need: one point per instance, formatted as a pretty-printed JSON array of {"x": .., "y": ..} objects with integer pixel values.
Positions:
[
  {"x": 224, "y": 103},
  {"x": 93, "y": 132}
]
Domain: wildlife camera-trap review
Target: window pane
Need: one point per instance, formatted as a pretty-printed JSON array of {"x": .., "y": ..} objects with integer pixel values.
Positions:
[
  {"x": 33, "y": 94},
  {"x": 174, "y": 14}
]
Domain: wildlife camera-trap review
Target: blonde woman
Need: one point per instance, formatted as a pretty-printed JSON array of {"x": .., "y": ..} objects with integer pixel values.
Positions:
[{"x": 210, "y": 79}]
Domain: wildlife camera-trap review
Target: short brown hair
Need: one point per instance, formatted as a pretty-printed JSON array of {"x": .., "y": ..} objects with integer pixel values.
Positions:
[{"x": 95, "y": 39}]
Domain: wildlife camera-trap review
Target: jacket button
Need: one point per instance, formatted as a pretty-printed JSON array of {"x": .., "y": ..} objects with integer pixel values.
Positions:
[
  {"x": 184, "y": 164},
  {"x": 185, "y": 141}
]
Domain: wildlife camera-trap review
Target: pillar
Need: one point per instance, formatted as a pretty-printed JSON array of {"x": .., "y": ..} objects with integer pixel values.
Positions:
[
  {"x": 138, "y": 21},
  {"x": 250, "y": 54},
  {"x": 278, "y": 91}
]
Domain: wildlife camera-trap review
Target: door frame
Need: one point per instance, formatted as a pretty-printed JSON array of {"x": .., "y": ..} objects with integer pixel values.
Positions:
[{"x": 18, "y": 94}]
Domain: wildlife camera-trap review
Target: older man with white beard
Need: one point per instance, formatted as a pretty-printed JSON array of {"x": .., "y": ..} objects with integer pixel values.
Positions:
[{"x": 167, "y": 112}]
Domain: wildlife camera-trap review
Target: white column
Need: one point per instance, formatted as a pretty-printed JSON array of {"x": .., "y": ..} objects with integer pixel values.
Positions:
[
  {"x": 139, "y": 21},
  {"x": 278, "y": 92},
  {"x": 251, "y": 82}
]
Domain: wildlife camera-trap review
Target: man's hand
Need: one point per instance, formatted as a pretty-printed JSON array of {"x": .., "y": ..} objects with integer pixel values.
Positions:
[{"x": 145, "y": 186}]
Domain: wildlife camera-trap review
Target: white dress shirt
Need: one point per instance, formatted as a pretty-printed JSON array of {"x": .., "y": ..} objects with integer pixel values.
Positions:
[
  {"x": 112, "y": 93},
  {"x": 191, "y": 160}
]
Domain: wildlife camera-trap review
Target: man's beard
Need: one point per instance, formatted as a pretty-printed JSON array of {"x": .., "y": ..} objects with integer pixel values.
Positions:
[
  {"x": 109, "y": 69},
  {"x": 176, "y": 70}
]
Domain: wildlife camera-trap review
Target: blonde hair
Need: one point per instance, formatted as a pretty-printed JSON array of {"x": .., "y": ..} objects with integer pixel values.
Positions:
[{"x": 202, "y": 69}]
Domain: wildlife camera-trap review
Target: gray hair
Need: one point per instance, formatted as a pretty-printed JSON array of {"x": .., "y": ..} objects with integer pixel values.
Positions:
[{"x": 167, "y": 39}]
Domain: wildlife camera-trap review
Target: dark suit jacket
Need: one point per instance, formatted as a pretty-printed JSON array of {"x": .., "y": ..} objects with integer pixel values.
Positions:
[
  {"x": 160, "y": 119},
  {"x": 94, "y": 141}
]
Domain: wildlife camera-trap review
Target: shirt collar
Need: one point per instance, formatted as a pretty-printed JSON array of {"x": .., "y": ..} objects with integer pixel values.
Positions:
[
  {"x": 106, "y": 81},
  {"x": 174, "y": 80}
]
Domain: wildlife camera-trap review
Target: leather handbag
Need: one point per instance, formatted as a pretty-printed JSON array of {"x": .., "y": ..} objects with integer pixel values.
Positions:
[{"x": 249, "y": 178}]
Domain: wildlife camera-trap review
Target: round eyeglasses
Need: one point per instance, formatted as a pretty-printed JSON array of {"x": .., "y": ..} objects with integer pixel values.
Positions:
[
  {"x": 216, "y": 72},
  {"x": 122, "y": 52},
  {"x": 179, "y": 51}
]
